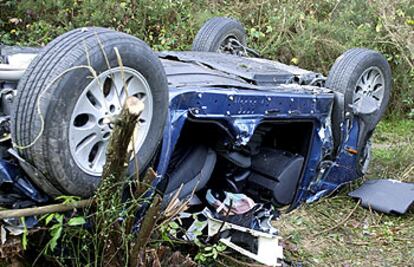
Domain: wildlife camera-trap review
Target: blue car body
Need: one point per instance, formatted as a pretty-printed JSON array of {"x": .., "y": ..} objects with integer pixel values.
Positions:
[
  {"x": 239, "y": 95},
  {"x": 218, "y": 94}
]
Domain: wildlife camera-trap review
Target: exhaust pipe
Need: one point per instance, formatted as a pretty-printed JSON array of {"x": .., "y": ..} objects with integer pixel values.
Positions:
[
  {"x": 17, "y": 64},
  {"x": 10, "y": 73}
]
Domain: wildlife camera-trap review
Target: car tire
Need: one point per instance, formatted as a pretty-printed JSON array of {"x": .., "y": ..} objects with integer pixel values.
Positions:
[
  {"x": 363, "y": 79},
  {"x": 58, "y": 86},
  {"x": 216, "y": 32}
]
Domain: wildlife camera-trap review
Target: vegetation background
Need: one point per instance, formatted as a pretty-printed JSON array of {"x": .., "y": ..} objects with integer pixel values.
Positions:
[
  {"x": 307, "y": 33},
  {"x": 311, "y": 34}
]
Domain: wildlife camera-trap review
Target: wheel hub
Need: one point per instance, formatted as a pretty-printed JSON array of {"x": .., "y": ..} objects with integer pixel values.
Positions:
[
  {"x": 232, "y": 46},
  {"x": 99, "y": 104}
]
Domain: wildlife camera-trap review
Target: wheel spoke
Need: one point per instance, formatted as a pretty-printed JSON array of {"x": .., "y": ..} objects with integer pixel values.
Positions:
[
  {"x": 126, "y": 90},
  {"x": 120, "y": 80},
  {"x": 358, "y": 96},
  {"x": 84, "y": 148},
  {"x": 378, "y": 92},
  {"x": 100, "y": 157},
  {"x": 363, "y": 79},
  {"x": 96, "y": 96},
  {"x": 135, "y": 86},
  {"x": 369, "y": 74},
  {"x": 87, "y": 106},
  {"x": 146, "y": 114},
  {"x": 377, "y": 80},
  {"x": 80, "y": 133}
]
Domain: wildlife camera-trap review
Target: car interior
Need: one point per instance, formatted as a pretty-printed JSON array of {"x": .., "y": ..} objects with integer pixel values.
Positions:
[{"x": 267, "y": 169}]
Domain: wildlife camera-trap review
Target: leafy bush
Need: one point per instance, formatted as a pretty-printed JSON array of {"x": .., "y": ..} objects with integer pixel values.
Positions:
[{"x": 310, "y": 34}]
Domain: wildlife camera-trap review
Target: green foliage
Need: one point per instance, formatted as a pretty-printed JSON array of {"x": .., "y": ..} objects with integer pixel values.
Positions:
[
  {"x": 88, "y": 244},
  {"x": 76, "y": 221},
  {"x": 56, "y": 229},
  {"x": 55, "y": 233},
  {"x": 311, "y": 34},
  {"x": 208, "y": 254},
  {"x": 68, "y": 199},
  {"x": 25, "y": 233}
]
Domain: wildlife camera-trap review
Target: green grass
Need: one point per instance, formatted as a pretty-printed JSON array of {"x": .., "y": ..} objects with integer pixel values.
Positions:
[{"x": 336, "y": 231}]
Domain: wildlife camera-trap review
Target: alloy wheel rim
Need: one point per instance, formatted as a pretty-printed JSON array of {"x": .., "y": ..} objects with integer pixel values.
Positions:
[
  {"x": 369, "y": 91},
  {"x": 99, "y": 103}
]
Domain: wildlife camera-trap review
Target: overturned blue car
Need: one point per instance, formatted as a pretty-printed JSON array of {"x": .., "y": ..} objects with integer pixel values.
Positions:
[{"x": 217, "y": 117}]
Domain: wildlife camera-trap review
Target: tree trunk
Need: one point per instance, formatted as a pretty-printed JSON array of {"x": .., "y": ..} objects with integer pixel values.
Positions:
[{"x": 113, "y": 178}]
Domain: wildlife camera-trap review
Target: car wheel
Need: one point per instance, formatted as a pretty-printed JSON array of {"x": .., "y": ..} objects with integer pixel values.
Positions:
[
  {"x": 364, "y": 79},
  {"x": 220, "y": 34},
  {"x": 63, "y": 101}
]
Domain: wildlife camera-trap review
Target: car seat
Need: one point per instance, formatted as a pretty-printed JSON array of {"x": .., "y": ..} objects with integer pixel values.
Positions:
[{"x": 191, "y": 167}]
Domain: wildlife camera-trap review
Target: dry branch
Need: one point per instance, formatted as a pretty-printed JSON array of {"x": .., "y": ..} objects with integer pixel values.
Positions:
[
  {"x": 143, "y": 236},
  {"x": 45, "y": 209}
]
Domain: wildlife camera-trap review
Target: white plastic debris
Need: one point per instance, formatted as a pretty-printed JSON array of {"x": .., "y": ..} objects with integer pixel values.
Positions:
[{"x": 269, "y": 248}]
